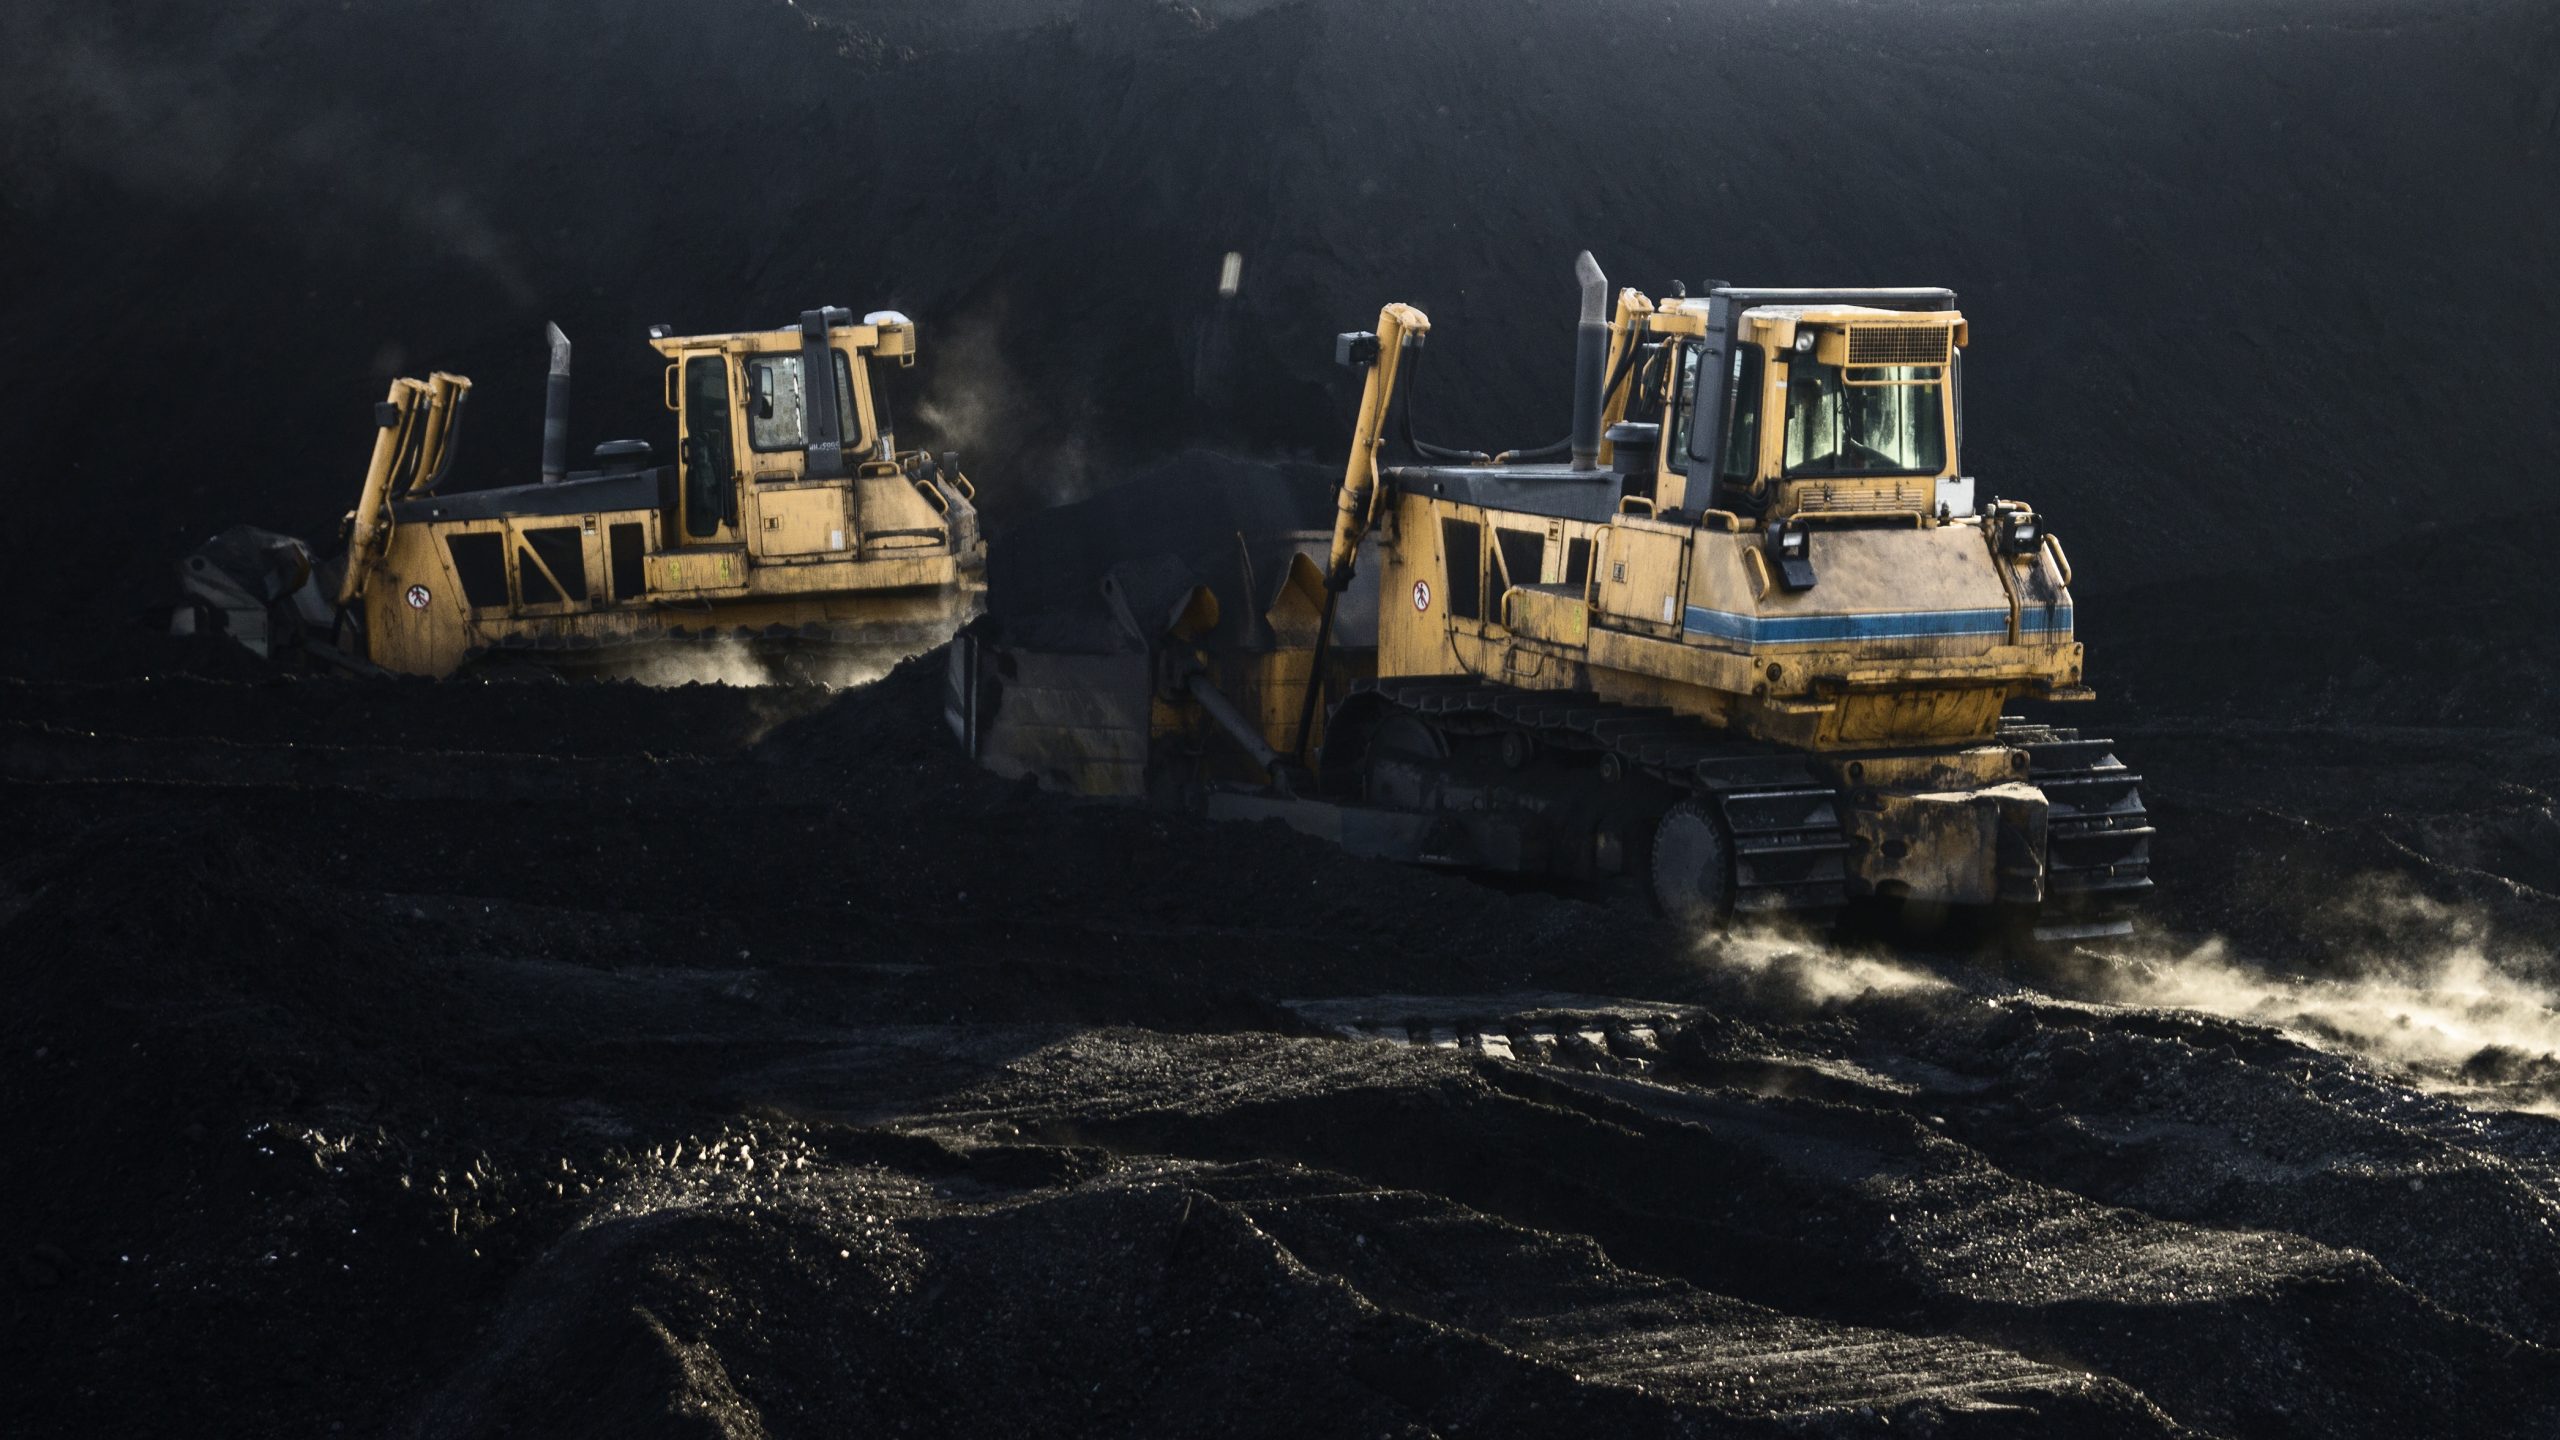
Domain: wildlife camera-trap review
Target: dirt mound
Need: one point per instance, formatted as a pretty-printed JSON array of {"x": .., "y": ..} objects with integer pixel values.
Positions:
[
  {"x": 818, "y": 1081},
  {"x": 1284, "y": 1300}
]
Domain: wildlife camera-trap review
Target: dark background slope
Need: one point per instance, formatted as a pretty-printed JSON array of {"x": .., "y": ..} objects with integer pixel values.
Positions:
[{"x": 2254, "y": 282}]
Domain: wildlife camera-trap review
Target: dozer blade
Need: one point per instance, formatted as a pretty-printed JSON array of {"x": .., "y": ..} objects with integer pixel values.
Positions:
[{"x": 2061, "y": 932}]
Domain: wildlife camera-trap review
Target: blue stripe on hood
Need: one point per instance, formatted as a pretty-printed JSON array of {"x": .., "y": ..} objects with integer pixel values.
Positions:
[{"x": 1896, "y": 625}]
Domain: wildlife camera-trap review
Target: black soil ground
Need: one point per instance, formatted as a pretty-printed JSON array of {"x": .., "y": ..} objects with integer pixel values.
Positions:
[
  {"x": 538, "y": 1059},
  {"x": 395, "y": 1058}
]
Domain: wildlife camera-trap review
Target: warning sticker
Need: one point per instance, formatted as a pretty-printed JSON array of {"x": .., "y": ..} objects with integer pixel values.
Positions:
[
  {"x": 1421, "y": 594},
  {"x": 418, "y": 597}
]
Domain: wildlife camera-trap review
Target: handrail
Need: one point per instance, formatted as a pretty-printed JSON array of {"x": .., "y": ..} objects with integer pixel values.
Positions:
[{"x": 1846, "y": 519}]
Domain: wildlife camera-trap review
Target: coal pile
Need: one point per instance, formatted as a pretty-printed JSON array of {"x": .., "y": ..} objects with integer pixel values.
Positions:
[
  {"x": 584, "y": 1058},
  {"x": 2231, "y": 314}
]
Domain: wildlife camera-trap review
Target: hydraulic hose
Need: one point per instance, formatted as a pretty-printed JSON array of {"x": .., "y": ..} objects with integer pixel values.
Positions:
[
  {"x": 1562, "y": 448},
  {"x": 452, "y": 442},
  {"x": 1428, "y": 451}
]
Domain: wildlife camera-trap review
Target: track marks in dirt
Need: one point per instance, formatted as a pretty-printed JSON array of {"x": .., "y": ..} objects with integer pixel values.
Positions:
[
  {"x": 1285, "y": 1299},
  {"x": 2211, "y": 1124},
  {"x": 1814, "y": 1208}
]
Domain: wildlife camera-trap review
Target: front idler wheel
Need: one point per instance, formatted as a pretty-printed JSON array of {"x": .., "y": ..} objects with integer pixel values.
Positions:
[{"x": 1692, "y": 866}]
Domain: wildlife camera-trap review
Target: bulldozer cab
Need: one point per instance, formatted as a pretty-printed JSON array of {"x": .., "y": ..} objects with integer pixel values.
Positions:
[
  {"x": 1774, "y": 403},
  {"x": 776, "y": 429}
]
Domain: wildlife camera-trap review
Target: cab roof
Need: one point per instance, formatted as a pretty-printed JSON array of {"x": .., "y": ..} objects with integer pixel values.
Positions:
[{"x": 888, "y": 332}]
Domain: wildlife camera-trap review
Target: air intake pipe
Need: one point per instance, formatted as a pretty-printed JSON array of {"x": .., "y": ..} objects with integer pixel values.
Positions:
[
  {"x": 1590, "y": 355},
  {"x": 555, "y": 409}
]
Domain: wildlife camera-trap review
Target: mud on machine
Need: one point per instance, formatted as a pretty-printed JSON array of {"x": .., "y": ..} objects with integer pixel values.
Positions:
[
  {"x": 790, "y": 520},
  {"x": 1748, "y": 635}
]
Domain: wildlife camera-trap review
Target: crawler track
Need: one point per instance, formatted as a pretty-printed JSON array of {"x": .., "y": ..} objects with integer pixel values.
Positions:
[
  {"x": 2098, "y": 835},
  {"x": 1787, "y": 821}
]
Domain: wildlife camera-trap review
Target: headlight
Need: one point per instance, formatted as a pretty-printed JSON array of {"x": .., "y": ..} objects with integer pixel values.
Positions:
[{"x": 1790, "y": 551}]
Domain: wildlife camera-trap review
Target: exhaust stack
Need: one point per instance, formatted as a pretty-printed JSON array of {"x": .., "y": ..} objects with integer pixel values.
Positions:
[
  {"x": 555, "y": 409},
  {"x": 1590, "y": 354}
]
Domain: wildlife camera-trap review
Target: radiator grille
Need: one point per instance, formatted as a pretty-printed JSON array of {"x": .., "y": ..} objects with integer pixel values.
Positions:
[
  {"x": 1866, "y": 496},
  {"x": 1899, "y": 344}
]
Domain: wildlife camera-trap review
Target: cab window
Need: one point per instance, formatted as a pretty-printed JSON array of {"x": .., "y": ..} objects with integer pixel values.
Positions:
[
  {"x": 1684, "y": 409},
  {"x": 777, "y": 402},
  {"x": 1741, "y": 461},
  {"x": 1742, "y": 436},
  {"x": 1891, "y": 420}
]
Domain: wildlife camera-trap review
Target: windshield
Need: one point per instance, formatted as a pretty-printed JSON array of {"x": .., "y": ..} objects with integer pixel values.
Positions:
[{"x": 1896, "y": 427}]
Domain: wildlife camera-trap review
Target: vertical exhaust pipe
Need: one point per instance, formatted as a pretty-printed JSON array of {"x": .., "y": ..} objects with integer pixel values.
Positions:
[
  {"x": 1590, "y": 353},
  {"x": 555, "y": 409}
]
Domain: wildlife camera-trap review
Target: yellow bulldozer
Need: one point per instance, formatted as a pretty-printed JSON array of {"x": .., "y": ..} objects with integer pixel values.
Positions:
[
  {"x": 1748, "y": 638},
  {"x": 790, "y": 528}
]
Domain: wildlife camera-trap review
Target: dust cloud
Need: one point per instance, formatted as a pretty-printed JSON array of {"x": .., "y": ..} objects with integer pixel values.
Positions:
[
  {"x": 786, "y": 685},
  {"x": 740, "y": 665},
  {"x": 714, "y": 662},
  {"x": 2461, "y": 1015},
  {"x": 2435, "y": 995},
  {"x": 1785, "y": 964},
  {"x": 978, "y": 404}
]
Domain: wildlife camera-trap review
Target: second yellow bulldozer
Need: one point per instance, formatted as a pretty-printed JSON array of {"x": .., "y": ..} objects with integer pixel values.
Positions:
[
  {"x": 1748, "y": 637},
  {"x": 789, "y": 526}
]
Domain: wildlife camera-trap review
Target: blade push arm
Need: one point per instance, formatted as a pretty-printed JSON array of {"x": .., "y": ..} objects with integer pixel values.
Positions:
[
  {"x": 1382, "y": 353},
  {"x": 1355, "y": 509},
  {"x": 413, "y": 448}
]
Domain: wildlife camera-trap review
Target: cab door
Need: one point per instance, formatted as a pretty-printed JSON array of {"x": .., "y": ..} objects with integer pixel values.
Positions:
[
  {"x": 789, "y": 515},
  {"x": 707, "y": 454}
]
